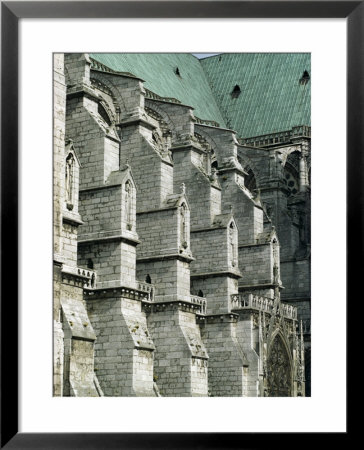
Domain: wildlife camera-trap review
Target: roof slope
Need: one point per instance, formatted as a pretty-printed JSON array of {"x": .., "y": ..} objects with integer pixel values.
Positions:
[
  {"x": 159, "y": 72},
  {"x": 271, "y": 98}
]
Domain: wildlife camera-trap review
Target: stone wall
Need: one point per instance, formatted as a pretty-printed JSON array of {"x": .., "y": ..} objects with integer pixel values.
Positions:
[
  {"x": 59, "y": 119},
  {"x": 180, "y": 364},
  {"x": 256, "y": 264},
  {"x": 227, "y": 360},
  {"x": 79, "y": 338},
  {"x": 124, "y": 348},
  {"x": 171, "y": 276},
  {"x": 296, "y": 277},
  {"x": 154, "y": 223}
]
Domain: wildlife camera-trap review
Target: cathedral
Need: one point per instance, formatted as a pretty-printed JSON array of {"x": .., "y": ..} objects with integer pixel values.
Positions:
[{"x": 181, "y": 224}]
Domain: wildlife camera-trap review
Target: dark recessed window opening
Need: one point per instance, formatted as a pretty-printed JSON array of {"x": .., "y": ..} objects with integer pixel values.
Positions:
[
  {"x": 236, "y": 91},
  {"x": 103, "y": 114},
  {"x": 305, "y": 77},
  {"x": 200, "y": 293},
  {"x": 148, "y": 279},
  {"x": 90, "y": 264},
  {"x": 177, "y": 72}
]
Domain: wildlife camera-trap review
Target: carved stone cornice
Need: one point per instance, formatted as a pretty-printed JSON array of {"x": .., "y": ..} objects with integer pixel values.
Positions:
[
  {"x": 174, "y": 305},
  {"x": 207, "y": 319},
  {"x": 120, "y": 291}
]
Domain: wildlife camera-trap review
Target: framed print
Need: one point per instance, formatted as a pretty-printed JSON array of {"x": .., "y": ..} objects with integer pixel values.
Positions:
[{"x": 132, "y": 79}]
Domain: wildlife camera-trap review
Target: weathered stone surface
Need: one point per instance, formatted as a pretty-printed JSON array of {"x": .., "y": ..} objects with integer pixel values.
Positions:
[{"x": 172, "y": 243}]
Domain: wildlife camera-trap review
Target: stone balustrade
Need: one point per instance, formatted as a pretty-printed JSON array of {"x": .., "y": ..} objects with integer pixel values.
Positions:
[
  {"x": 282, "y": 137},
  {"x": 97, "y": 65},
  {"x": 210, "y": 123},
  {"x": 289, "y": 311},
  {"x": 88, "y": 275},
  {"x": 193, "y": 302},
  {"x": 201, "y": 301},
  {"x": 246, "y": 301},
  {"x": 146, "y": 287},
  {"x": 140, "y": 286},
  {"x": 151, "y": 95}
]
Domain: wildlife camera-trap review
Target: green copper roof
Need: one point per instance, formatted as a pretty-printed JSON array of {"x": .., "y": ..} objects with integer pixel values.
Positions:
[
  {"x": 159, "y": 72},
  {"x": 271, "y": 96}
]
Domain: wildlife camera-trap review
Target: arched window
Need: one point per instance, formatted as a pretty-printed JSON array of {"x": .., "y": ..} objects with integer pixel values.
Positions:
[
  {"x": 148, "y": 279},
  {"x": 70, "y": 167},
  {"x": 128, "y": 204},
  {"x": 90, "y": 264},
  {"x": 232, "y": 244},
  {"x": 250, "y": 181},
  {"x": 200, "y": 293},
  {"x": 291, "y": 173},
  {"x": 102, "y": 111},
  {"x": 291, "y": 180},
  {"x": 278, "y": 370}
]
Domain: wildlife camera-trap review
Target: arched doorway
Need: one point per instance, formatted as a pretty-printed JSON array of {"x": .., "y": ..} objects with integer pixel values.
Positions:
[{"x": 279, "y": 371}]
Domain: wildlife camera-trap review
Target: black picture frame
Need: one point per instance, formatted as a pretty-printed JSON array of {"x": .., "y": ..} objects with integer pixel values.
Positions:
[{"x": 11, "y": 12}]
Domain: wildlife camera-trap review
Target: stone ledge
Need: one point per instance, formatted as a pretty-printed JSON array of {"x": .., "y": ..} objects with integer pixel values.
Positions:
[
  {"x": 254, "y": 245},
  {"x": 177, "y": 256},
  {"x": 73, "y": 280},
  {"x": 114, "y": 73},
  {"x": 212, "y": 228},
  {"x": 103, "y": 186},
  {"x": 84, "y": 338},
  {"x": 231, "y": 317},
  {"x": 118, "y": 238},
  {"x": 145, "y": 347},
  {"x": 216, "y": 128},
  {"x": 136, "y": 121},
  {"x": 231, "y": 169},
  {"x": 72, "y": 219},
  {"x": 156, "y": 307},
  {"x": 259, "y": 286},
  {"x": 188, "y": 146},
  {"x": 111, "y": 292},
  {"x": 203, "y": 358},
  {"x": 78, "y": 276},
  {"x": 161, "y": 100},
  {"x": 232, "y": 274},
  {"x": 81, "y": 91},
  {"x": 157, "y": 210}
]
